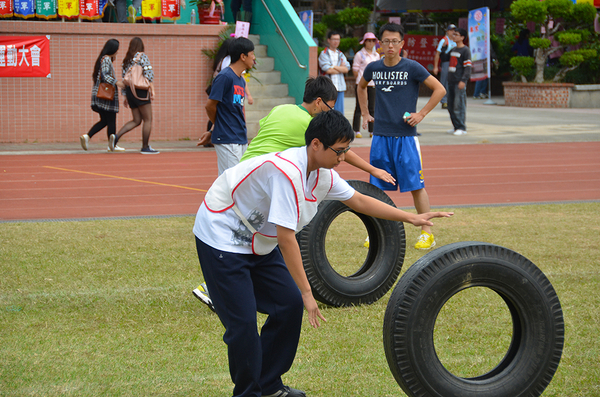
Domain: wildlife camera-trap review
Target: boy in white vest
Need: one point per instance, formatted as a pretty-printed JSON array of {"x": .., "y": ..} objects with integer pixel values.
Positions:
[{"x": 245, "y": 237}]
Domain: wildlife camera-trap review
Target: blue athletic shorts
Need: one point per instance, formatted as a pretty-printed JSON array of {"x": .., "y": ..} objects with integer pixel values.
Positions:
[{"x": 401, "y": 157}]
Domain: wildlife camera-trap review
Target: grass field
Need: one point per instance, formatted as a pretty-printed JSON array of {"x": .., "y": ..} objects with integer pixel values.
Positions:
[{"x": 105, "y": 308}]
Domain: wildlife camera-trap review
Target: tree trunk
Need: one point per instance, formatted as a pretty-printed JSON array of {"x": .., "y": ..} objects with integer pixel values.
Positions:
[{"x": 540, "y": 62}]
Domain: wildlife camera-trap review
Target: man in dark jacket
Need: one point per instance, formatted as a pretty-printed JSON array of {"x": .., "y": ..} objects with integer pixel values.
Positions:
[{"x": 459, "y": 72}]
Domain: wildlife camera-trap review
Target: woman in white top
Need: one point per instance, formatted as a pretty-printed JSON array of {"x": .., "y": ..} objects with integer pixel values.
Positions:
[{"x": 366, "y": 55}]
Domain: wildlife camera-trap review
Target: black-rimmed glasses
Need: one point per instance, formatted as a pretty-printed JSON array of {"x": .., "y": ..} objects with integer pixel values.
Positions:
[
  {"x": 341, "y": 151},
  {"x": 326, "y": 104}
]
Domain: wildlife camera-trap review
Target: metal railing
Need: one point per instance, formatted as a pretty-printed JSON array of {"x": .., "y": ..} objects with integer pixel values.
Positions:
[{"x": 283, "y": 36}]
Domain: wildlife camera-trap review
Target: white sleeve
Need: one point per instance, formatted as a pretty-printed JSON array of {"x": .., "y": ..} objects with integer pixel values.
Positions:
[{"x": 340, "y": 189}]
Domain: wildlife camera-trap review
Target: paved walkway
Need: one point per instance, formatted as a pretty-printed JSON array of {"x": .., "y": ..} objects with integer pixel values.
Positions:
[{"x": 486, "y": 124}]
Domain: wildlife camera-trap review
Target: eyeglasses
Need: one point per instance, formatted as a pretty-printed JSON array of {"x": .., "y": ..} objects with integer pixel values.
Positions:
[
  {"x": 393, "y": 42},
  {"x": 326, "y": 104},
  {"x": 341, "y": 151}
]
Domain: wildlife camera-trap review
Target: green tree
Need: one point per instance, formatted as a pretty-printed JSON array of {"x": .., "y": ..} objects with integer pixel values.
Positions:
[{"x": 569, "y": 24}]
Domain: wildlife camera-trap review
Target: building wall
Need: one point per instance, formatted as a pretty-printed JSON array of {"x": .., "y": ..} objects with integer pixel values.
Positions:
[{"x": 57, "y": 109}]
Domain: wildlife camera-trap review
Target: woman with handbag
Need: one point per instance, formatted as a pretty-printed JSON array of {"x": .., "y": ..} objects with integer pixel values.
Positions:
[
  {"x": 139, "y": 92},
  {"x": 105, "y": 98}
]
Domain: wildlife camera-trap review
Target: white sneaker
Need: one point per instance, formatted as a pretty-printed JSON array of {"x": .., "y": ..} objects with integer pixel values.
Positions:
[
  {"x": 119, "y": 148},
  {"x": 84, "y": 140},
  {"x": 460, "y": 132},
  {"x": 450, "y": 131}
]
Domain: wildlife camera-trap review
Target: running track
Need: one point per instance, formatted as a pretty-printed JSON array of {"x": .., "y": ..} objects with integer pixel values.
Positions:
[{"x": 88, "y": 185}]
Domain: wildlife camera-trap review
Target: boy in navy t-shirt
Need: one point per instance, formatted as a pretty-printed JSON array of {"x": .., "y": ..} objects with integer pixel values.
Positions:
[
  {"x": 225, "y": 106},
  {"x": 395, "y": 146}
]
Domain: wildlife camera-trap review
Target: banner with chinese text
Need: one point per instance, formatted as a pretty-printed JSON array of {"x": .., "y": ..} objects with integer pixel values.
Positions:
[
  {"x": 89, "y": 9},
  {"x": 24, "y": 9},
  {"x": 6, "y": 9},
  {"x": 479, "y": 43},
  {"x": 45, "y": 9},
  {"x": 68, "y": 8},
  {"x": 421, "y": 48},
  {"x": 170, "y": 9},
  {"x": 151, "y": 9},
  {"x": 24, "y": 56}
]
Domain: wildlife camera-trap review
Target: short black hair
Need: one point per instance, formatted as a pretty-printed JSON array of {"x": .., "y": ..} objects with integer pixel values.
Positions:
[
  {"x": 462, "y": 32},
  {"x": 332, "y": 33},
  {"x": 392, "y": 27},
  {"x": 240, "y": 46},
  {"x": 329, "y": 128},
  {"x": 319, "y": 87}
]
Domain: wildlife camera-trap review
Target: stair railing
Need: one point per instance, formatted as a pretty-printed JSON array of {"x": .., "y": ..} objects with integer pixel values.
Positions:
[{"x": 283, "y": 36}]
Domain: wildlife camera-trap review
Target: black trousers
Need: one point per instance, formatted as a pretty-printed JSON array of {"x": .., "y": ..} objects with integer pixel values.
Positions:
[{"x": 107, "y": 119}]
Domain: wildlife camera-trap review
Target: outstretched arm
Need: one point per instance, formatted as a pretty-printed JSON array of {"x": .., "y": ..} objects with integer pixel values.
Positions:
[
  {"x": 286, "y": 238},
  {"x": 370, "y": 206},
  {"x": 355, "y": 160}
]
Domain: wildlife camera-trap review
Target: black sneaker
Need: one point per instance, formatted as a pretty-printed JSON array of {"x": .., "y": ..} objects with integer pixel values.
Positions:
[
  {"x": 149, "y": 150},
  {"x": 286, "y": 391}
]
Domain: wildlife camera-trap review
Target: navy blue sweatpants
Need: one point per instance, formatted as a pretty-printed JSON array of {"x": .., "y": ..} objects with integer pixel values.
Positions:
[{"x": 239, "y": 286}]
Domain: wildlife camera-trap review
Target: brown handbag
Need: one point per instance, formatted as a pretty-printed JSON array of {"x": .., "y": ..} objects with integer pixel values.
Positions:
[{"x": 106, "y": 91}]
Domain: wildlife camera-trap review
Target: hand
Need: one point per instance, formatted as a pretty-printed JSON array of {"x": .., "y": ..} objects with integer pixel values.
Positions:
[
  {"x": 435, "y": 70},
  {"x": 152, "y": 92},
  {"x": 366, "y": 120},
  {"x": 414, "y": 119},
  {"x": 250, "y": 99},
  {"x": 461, "y": 85},
  {"x": 204, "y": 138},
  {"x": 424, "y": 219},
  {"x": 125, "y": 103},
  {"x": 313, "y": 310},
  {"x": 383, "y": 175},
  {"x": 120, "y": 84}
]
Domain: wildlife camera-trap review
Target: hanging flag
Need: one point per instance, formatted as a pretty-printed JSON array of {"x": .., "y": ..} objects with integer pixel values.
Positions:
[
  {"x": 6, "y": 9},
  {"x": 24, "y": 56},
  {"x": 45, "y": 9},
  {"x": 151, "y": 9},
  {"x": 68, "y": 8},
  {"x": 24, "y": 8},
  {"x": 479, "y": 43},
  {"x": 102, "y": 6},
  {"x": 89, "y": 9},
  {"x": 170, "y": 9}
]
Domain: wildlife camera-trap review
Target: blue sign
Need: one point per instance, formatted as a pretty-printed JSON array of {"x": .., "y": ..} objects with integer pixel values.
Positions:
[{"x": 479, "y": 43}]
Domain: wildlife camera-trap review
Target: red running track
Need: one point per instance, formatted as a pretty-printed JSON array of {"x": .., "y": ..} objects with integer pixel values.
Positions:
[{"x": 89, "y": 185}]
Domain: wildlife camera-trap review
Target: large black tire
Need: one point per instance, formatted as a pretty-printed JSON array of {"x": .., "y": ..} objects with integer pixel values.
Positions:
[
  {"x": 538, "y": 328},
  {"x": 382, "y": 264}
]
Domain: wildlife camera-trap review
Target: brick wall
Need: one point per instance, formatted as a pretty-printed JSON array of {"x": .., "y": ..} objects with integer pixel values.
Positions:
[
  {"x": 57, "y": 109},
  {"x": 554, "y": 95}
]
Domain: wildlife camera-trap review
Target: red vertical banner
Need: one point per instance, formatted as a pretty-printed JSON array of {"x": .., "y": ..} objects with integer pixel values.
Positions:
[
  {"x": 170, "y": 9},
  {"x": 89, "y": 9},
  {"x": 24, "y": 56},
  {"x": 421, "y": 48},
  {"x": 6, "y": 8}
]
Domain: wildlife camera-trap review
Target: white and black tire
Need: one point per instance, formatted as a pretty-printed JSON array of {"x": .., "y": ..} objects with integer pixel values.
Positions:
[
  {"x": 537, "y": 333},
  {"x": 382, "y": 265}
]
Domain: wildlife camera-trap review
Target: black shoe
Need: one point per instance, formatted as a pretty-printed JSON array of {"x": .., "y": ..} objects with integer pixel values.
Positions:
[{"x": 286, "y": 391}]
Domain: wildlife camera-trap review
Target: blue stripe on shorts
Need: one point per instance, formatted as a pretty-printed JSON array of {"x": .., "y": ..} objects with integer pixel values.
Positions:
[{"x": 401, "y": 157}]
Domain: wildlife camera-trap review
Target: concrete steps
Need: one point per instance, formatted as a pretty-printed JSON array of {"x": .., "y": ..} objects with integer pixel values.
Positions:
[{"x": 265, "y": 87}]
